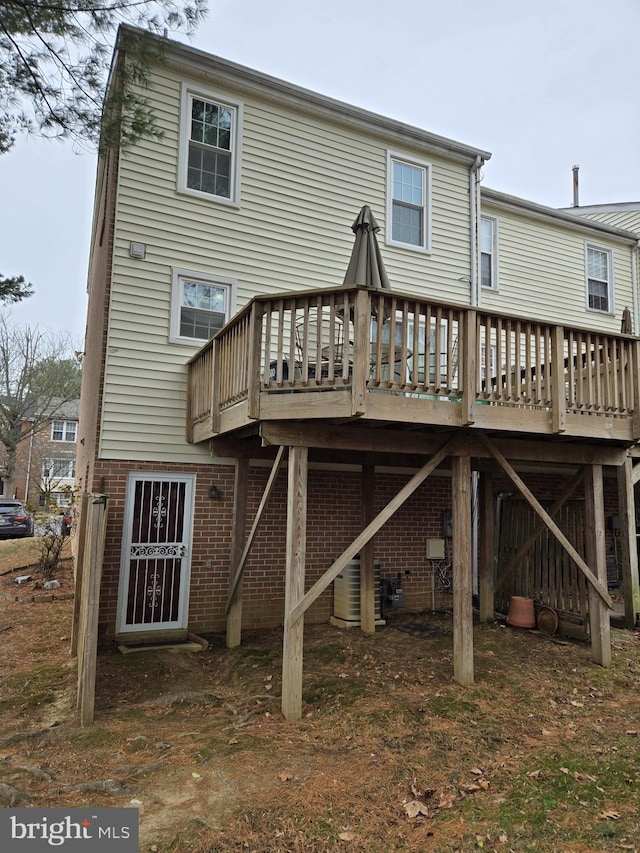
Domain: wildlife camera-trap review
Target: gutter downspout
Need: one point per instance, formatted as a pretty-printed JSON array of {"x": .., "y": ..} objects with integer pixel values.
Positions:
[
  {"x": 474, "y": 201},
  {"x": 634, "y": 281}
]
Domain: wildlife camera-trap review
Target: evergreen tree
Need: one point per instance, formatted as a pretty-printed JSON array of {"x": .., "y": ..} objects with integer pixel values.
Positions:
[{"x": 54, "y": 64}]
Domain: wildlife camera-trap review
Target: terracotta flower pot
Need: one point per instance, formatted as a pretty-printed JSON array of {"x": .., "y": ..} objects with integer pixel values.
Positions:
[{"x": 521, "y": 613}]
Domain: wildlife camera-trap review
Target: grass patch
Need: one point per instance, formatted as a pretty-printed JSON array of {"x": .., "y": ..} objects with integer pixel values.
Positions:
[
  {"x": 330, "y": 653},
  {"x": 344, "y": 691}
]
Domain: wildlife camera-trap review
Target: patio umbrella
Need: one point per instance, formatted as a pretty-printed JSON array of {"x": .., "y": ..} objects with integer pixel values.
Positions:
[
  {"x": 366, "y": 266},
  {"x": 627, "y": 325}
]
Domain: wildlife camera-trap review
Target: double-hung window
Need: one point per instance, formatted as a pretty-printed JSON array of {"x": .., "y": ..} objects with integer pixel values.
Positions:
[
  {"x": 408, "y": 202},
  {"x": 488, "y": 252},
  {"x": 209, "y": 153},
  {"x": 59, "y": 469},
  {"x": 64, "y": 430},
  {"x": 201, "y": 305},
  {"x": 599, "y": 279}
]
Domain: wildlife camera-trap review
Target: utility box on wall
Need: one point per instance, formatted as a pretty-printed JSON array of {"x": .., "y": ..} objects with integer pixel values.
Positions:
[
  {"x": 346, "y": 596},
  {"x": 435, "y": 549}
]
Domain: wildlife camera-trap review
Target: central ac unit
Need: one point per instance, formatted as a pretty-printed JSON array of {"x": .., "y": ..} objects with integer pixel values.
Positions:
[{"x": 346, "y": 596}]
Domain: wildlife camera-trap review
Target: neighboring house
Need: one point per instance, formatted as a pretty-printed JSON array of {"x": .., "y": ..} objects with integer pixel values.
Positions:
[
  {"x": 243, "y": 210},
  {"x": 46, "y": 459}
]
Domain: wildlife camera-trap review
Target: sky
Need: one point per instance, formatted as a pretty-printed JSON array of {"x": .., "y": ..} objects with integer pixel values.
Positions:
[{"x": 543, "y": 85}]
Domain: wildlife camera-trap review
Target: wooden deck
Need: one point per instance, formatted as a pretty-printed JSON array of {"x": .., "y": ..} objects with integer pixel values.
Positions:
[
  {"x": 377, "y": 357},
  {"x": 355, "y": 371}
]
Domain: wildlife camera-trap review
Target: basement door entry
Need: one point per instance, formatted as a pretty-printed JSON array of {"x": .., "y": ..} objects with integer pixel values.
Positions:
[{"x": 156, "y": 552}]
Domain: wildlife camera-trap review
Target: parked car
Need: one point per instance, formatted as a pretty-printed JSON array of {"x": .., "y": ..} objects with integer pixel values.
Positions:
[{"x": 15, "y": 520}]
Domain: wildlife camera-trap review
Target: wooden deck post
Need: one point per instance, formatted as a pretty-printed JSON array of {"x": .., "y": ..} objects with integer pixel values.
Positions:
[
  {"x": 254, "y": 356},
  {"x": 367, "y": 570},
  {"x": 88, "y": 634},
  {"x": 240, "y": 492},
  {"x": 558, "y": 393},
  {"x": 362, "y": 348},
  {"x": 462, "y": 572},
  {"x": 469, "y": 367},
  {"x": 486, "y": 529},
  {"x": 628, "y": 542},
  {"x": 596, "y": 555},
  {"x": 294, "y": 583}
]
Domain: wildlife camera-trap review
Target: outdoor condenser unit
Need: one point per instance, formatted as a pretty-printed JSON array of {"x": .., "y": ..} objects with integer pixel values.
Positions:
[{"x": 346, "y": 596}]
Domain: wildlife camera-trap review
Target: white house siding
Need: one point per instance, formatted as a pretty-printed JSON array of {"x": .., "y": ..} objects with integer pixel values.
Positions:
[
  {"x": 303, "y": 182},
  {"x": 541, "y": 271}
]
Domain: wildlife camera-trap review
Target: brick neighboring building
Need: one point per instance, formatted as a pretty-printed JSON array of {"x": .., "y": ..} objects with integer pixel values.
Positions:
[{"x": 46, "y": 459}]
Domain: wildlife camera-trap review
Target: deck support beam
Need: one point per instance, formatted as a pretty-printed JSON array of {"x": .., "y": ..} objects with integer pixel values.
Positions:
[
  {"x": 240, "y": 493},
  {"x": 238, "y": 568},
  {"x": 536, "y": 506},
  {"x": 596, "y": 553},
  {"x": 530, "y": 541},
  {"x": 367, "y": 561},
  {"x": 372, "y": 528},
  {"x": 486, "y": 559},
  {"x": 462, "y": 572},
  {"x": 292, "y": 648},
  {"x": 628, "y": 542}
]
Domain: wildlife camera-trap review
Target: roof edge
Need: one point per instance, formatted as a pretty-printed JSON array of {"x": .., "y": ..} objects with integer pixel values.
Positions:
[
  {"x": 541, "y": 211},
  {"x": 256, "y": 81}
]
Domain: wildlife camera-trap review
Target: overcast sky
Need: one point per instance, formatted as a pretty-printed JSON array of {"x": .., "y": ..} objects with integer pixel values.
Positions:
[{"x": 542, "y": 85}]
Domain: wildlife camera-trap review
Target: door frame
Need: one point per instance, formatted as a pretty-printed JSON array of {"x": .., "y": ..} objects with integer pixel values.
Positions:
[{"x": 185, "y": 568}]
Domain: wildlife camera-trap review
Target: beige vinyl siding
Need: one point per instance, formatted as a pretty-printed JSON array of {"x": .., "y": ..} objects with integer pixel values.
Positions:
[
  {"x": 303, "y": 181},
  {"x": 541, "y": 271},
  {"x": 629, "y": 220}
]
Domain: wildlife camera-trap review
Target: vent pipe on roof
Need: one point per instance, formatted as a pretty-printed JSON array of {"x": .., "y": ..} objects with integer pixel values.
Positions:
[{"x": 576, "y": 201}]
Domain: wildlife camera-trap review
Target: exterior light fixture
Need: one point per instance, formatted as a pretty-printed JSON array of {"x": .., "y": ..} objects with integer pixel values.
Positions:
[{"x": 214, "y": 493}]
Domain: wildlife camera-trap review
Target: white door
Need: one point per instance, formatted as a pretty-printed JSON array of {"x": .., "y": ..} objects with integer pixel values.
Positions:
[{"x": 156, "y": 552}]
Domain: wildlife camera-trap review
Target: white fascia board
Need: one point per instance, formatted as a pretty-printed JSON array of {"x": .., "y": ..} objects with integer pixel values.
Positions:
[
  {"x": 542, "y": 213},
  {"x": 615, "y": 207}
]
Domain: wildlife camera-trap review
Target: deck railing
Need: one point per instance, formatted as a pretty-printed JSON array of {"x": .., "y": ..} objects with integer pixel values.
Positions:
[{"x": 377, "y": 341}]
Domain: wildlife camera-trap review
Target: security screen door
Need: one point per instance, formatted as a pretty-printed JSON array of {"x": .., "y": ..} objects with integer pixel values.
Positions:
[{"x": 154, "y": 583}]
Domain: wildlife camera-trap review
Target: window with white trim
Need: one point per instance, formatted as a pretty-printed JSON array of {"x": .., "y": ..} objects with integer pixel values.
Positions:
[
  {"x": 488, "y": 252},
  {"x": 64, "y": 430},
  {"x": 599, "y": 279},
  {"x": 59, "y": 469},
  {"x": 208, "y": 165},
  {"x": 201, "y": 305},
  {"x": 408, "y": 203}
]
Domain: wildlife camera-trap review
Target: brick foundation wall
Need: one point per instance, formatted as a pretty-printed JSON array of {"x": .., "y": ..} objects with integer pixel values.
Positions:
[{"x": 333, "y": 522}]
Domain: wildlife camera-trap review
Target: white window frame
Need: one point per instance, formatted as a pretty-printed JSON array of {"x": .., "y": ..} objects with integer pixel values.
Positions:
[
  {"x": 610, "y": 310},
  {"x": 426, "y": 167},
  {"x": 236, "y": 108},
  {"x": 49, "y": 464},
  {"x": 494, "y": 253},
  {"x": 65, "y": 431},
  {"x": 180, "y": 275}
]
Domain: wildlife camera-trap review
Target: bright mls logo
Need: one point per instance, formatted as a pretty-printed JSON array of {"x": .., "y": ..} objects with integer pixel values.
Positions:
[{"x": 35, "y": 830}]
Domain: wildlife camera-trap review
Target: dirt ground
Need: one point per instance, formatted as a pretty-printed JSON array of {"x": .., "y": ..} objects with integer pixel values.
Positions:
[{"x": 542, "y": 753}]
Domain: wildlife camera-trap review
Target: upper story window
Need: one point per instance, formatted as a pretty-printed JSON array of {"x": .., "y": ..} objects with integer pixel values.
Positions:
[
  {"x": 201, "y": 305},
  {"x": 599, "y": 279},
  {"x": 64, "y": 430},
  {"x": 209, "y": 159},
  {"x": 59, "y": 469},
  {"x": 488, "y": 252},
  {"x": 408, "y": 202}
]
